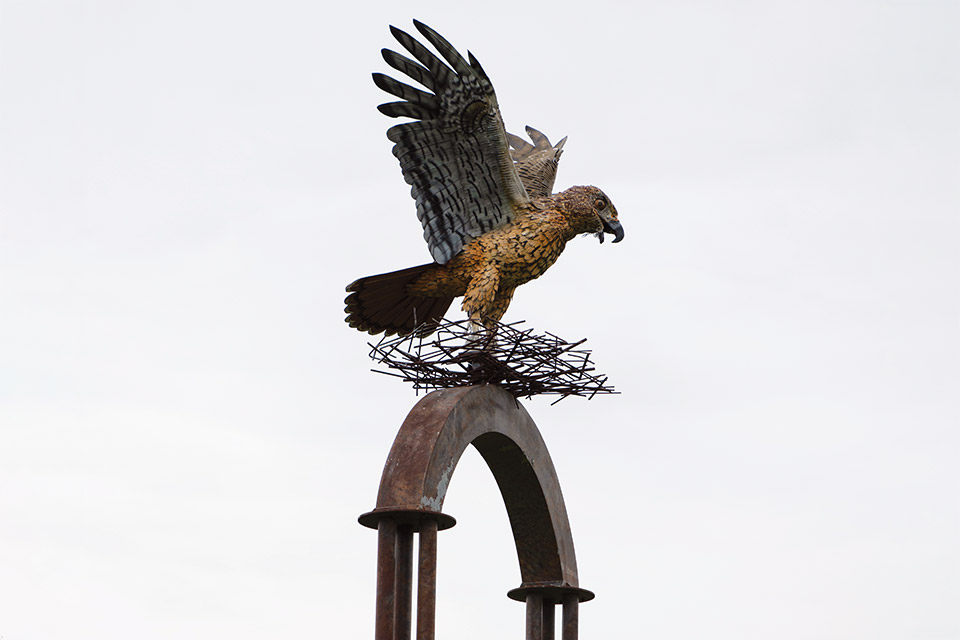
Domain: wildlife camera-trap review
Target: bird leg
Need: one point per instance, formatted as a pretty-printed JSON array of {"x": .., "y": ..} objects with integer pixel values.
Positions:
[
  {"x": 480, "y": 296},
  {"x": 481, "y": 303},
  {"x": 498, "y": 308},
  {"x": 485, "y": 359}
]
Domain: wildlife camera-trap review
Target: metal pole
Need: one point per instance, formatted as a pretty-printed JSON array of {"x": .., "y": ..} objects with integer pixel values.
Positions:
[
  {"x": 571, "y": 610},
  {"x": 427, "y": 581},
  {"x": 386, "y": 577},
  {"x": 404, "y": 598},
  {"x": 534, "y": 616}
]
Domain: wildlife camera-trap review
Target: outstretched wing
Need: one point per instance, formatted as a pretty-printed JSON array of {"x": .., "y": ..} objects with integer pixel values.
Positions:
[
  {"x": 536, "y": 163},
  {"x": 455, "y": 155}
]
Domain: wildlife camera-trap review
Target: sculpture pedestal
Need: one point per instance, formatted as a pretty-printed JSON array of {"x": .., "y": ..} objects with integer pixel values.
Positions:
[{"x": 410, "y": 500}]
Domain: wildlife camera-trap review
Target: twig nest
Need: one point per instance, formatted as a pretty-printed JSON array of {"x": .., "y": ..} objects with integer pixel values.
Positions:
[{"x": 523, "y": 363}]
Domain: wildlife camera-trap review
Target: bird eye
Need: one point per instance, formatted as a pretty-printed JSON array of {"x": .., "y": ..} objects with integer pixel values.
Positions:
[{"x": 599, "y": 204}]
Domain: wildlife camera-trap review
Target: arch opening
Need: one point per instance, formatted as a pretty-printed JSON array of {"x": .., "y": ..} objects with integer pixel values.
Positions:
[{"x": 413, "y": 487}]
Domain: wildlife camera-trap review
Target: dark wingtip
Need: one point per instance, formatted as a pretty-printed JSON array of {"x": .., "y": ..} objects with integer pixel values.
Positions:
[
  {"x": 389, "y": 109},
  {"x": 424, "y": 29},
  {"x": 476, "y": 66},
  {"x": 398, "y": 34}
]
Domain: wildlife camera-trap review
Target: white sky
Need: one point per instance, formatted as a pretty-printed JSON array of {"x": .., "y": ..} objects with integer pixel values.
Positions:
[{"x": 188, "y": 429}]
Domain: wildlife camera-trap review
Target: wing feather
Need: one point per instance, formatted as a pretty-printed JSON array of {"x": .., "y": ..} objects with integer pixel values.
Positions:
[
  {"x": 520, "y": 148},
  {"x": 403, "y": 109},
  {"x": 407, "y": 66},
  {"x": 406, "y": 92},
  {"x": 451, "y": 55},
  {"x": 455, "y": 155},
  {"x": 439, "y": 70},
  {"x": 476, "y": 67},
  {"x": 536, "y": 163}
]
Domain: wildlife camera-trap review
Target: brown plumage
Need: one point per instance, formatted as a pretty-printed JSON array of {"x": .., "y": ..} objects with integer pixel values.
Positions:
[{"x": 490, "y": 220}]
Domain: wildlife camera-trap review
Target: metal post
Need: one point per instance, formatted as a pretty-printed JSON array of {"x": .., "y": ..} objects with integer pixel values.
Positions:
[
  {"x": 571, "y": 610},
  {"x": 404, "y": 582},
  {"x": 427, "y": 581},
  {"x": 417, "y": 473},
  {"x": 534, "y": 616},
  {"x": 386, "y": 577}
]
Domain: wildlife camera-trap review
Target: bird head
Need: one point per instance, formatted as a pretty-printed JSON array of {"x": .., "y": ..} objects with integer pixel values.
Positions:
[{"x": 590, "y": 211}]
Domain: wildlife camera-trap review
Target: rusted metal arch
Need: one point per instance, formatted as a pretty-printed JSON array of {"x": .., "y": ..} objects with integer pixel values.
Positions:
[{"x": 415, "y": 478}]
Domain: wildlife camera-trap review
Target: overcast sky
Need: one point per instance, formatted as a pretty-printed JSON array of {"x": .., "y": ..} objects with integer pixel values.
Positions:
[{"x": 188, "y": 429}]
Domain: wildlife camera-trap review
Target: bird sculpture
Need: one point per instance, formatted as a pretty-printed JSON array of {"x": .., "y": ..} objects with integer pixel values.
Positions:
[{"x": 489, "y": 214}]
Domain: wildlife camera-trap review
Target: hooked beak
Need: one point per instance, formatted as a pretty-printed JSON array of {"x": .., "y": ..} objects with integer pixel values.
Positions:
[{"x": 611, "y": 226}]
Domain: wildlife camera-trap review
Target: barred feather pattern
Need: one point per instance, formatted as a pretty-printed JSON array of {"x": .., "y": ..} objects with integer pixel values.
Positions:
[
  {"x": 536, "y": 163},
  {"x": 384, "y": 304},
  {"x": 455, "y": 155}
]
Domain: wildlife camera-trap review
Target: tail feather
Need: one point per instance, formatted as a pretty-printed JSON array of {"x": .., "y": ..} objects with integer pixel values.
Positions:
[{"x": 381, "y": 304}]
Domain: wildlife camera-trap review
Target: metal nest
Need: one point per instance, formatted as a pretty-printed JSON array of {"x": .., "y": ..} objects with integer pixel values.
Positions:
[{"x": 523, "y": 363}]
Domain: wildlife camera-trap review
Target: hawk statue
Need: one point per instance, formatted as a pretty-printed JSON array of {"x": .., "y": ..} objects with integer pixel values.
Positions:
[{"x": 489, "y": 214}]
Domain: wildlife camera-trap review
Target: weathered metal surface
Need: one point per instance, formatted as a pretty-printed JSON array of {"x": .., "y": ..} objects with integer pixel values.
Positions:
[
  {"x": 534, "y": 617},
  {"x": 410, "y": 517},
  {"x": 550, "y": 592},
  {"x": 404, "y": 583},
  {"x": 550, "y": 596},
  {"x": 571, "y": 613},
  {"x": 429, "y": 445},
  {"x": 386, "y": 578},
  {"x": 427, "y": 581},
  {"x": 414, "y": 485}
]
